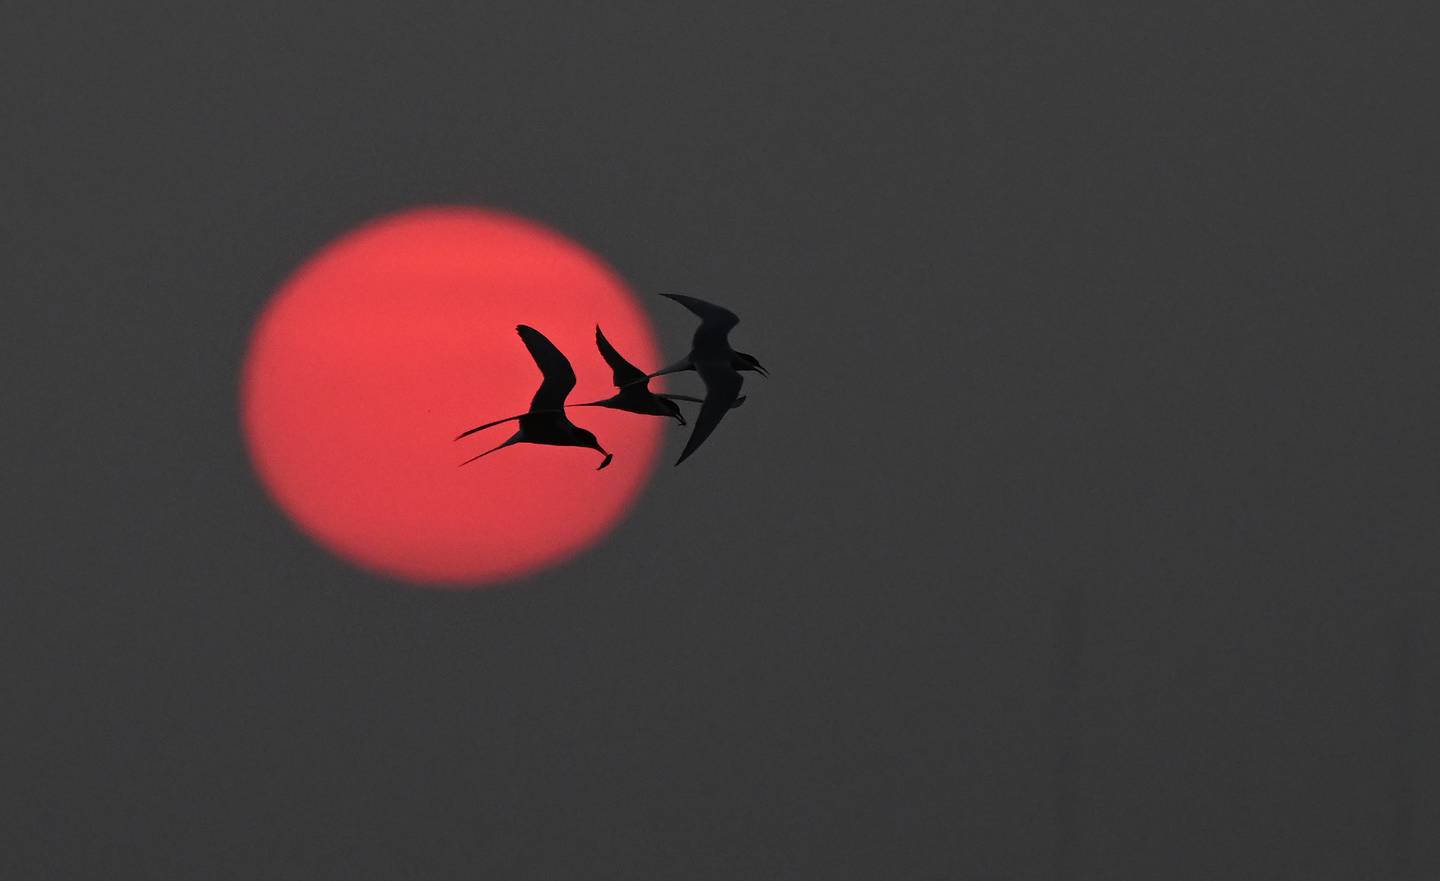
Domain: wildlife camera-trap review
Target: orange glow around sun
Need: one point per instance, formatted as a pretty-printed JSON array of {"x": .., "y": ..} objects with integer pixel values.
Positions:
[{"x": 399, "y": 335}]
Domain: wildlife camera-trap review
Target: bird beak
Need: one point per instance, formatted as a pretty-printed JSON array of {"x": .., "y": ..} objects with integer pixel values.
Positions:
[
  {"x": 762, "y": 371},
  {"x": 680, "y": 418},
  {"x": 606, "y": 461}
]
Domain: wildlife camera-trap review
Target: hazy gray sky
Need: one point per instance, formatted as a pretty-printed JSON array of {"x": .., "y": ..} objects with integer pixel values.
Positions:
[{"x": 1086, "y": 528}]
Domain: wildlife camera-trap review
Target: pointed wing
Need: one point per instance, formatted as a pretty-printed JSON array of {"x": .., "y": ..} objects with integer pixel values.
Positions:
[
  {"x": 625, "y": 373},
  {"x": 722, "y": 386},
  {"x": 716, "y": 322},
  {"x": 559, "y": 375}
]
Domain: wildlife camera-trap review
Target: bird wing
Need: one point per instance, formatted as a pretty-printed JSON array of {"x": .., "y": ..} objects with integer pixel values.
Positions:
[
  {"x": 716, "y": 322},
  {"x": 625, "y": 373},
  {"x": 559, "y": 375},
  {"x": 722, "y": 386}
]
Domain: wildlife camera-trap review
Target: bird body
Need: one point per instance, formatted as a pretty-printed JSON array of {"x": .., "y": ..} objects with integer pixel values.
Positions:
[{"x": 545, "y": 422}]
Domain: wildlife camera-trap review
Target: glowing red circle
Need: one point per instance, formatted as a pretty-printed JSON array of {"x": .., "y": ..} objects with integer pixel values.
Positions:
[{"x": 399, "y": 335}]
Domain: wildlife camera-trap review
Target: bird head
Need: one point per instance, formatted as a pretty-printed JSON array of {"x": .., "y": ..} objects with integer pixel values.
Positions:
[
  {"x": 586, "y": 438},
  {"x": 672, "y": 410},
  {"x": 743, "y": 361}
]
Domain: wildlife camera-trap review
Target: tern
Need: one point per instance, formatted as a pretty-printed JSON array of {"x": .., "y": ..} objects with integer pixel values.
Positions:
[
  {"x": 719, "y": 367},
  {"x": 545, "y": 422},
  {"x": 634, "y": 395}
]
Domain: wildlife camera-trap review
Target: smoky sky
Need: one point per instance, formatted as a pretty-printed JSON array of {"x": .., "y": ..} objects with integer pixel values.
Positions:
[{"x": 1085, "y": 529}]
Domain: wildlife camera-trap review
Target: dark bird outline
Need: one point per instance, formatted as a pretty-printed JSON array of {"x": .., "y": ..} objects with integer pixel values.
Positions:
[
  {"x": 634, "y": 395},
  {"x": 545, "y": 422},
  {"x": 717, "y": 363}
]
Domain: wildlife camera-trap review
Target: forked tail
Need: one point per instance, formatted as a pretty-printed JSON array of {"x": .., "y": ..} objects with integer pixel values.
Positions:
[
  {"x": 485, "y": 426},
  {"x": 513, "y": 439}
]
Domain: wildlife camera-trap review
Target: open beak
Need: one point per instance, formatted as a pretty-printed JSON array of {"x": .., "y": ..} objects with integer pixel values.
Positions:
[
  {"x": 762, "y": 371},
  {"x": 680, "y": 418}
]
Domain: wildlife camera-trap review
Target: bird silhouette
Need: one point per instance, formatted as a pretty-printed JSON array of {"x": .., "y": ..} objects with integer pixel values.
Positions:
[
  {"x": 634, "y": 395},
  {"x": 719, "y": 367},
  {"x": 545, "y": 422}
]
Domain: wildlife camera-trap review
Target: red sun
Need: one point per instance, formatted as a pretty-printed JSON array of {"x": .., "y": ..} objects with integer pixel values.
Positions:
[{"x": 399, "y": 335}]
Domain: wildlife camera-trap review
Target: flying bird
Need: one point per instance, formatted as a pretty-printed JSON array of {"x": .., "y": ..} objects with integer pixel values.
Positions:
[
  {"x": 719, "y": 367},
  {"x": 634, "y": 395},
  {"x": 545, "y": 422}
]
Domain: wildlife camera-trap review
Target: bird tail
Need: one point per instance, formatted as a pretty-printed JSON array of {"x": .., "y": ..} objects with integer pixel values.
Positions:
[
  {"x": 485, "y": 426},
  {"x": 515, "y": 438},
  {"x": 677, "y": 367}
]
